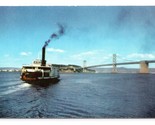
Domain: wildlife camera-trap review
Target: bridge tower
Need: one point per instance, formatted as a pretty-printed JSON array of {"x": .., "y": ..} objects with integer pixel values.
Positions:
[
  {"x": 114, "y": 70},
  {"x": 144, "y": 67},
  {"x": 84, "y": 65}
]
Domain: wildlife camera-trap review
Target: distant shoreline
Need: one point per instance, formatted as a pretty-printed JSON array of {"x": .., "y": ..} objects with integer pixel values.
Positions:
[{"x": 97, "y": 70}]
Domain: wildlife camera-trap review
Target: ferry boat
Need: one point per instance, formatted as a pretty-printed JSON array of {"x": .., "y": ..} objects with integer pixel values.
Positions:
[{"x": 40, "y": 72}]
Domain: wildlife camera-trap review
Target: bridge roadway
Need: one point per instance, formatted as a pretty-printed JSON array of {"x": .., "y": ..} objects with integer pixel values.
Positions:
[{"x": 124, "y": 63}]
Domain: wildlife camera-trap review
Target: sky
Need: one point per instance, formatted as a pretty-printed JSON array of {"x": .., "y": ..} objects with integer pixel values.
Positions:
[{"x": 91, "y": 33}]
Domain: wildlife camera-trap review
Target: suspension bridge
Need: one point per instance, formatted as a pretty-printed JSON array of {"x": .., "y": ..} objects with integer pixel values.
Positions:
[{"x": 144, "y": 65}]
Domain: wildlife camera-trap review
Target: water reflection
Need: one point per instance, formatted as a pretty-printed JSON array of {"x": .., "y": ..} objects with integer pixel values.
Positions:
[{"x": 43, "y": 83}]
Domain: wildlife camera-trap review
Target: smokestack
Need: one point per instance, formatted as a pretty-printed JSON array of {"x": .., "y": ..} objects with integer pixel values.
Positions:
[{"x": 43, "y": 61}]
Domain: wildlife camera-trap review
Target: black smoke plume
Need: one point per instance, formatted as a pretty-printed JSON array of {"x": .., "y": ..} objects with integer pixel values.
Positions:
[{"x": 60, "y": 32}]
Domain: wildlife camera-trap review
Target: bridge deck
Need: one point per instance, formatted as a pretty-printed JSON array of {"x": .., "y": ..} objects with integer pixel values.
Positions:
[{"x": 124, "y": 63}]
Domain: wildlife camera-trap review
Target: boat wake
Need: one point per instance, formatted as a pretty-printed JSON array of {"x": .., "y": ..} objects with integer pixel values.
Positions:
[{"x": 14, "y": 88}]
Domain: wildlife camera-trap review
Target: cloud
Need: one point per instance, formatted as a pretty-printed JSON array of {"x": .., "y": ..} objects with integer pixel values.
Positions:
[
  {"x": 25, "y": 53},
  {"x": 93, "y": 57},
  {"x": 84, "y": 55},
  {"x": 55, "y": 50},
  {"x": 140, "y": 56}
]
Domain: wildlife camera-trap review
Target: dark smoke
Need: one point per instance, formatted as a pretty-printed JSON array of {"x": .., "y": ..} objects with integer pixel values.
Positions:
[
  {"x": 124, "y": 16},
  {"x": 149, "y": 37},
  {"x": 61, "y": 31},
  {"x": 53, "y": 35}
]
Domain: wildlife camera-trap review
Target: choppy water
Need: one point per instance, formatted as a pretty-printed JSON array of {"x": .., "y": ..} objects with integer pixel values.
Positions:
[{"x": 79, "y": 96}]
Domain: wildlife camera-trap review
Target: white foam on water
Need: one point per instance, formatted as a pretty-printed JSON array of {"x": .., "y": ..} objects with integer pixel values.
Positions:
[
  {"x": 26, "y": 85},
  {"x": 12, "y": 89}
]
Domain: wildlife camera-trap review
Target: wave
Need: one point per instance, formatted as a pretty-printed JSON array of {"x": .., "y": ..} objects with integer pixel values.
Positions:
[{"x": 8, "y": 89}]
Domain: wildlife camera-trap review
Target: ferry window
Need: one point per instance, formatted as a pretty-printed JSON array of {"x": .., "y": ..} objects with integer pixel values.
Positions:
[
  {"x": 46, "y": 74},
  {"x": 33, "y": 75},
  {"x": 44, "y": 68},
  {"x": 29, "y": 67}
]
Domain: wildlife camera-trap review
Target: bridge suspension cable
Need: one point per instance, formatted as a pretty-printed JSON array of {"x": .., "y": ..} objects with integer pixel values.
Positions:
[{"x": 124, "y": 59}]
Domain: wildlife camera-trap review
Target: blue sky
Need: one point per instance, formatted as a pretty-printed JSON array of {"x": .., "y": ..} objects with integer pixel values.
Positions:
[{"x": 91, "y": 33}]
